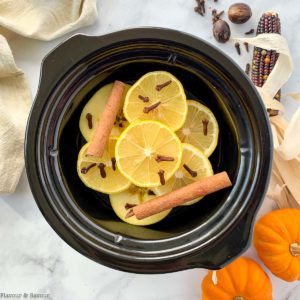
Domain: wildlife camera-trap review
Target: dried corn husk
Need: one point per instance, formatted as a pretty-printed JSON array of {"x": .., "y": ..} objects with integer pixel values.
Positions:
[{"x": 284, "y": 186}]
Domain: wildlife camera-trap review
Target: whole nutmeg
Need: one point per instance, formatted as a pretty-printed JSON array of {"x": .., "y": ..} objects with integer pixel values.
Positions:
[
  {"x": 239, "y": 13},
  {"x": 221, "y": 31}
]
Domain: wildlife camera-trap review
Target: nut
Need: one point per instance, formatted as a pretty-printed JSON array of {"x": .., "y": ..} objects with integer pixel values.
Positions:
[
  {"x": 221, "y": 31},
  {"x": 239, "y": 13}
]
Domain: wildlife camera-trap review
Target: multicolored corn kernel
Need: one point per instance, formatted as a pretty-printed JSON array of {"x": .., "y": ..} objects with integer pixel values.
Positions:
[{"x": 264, "y": 60}]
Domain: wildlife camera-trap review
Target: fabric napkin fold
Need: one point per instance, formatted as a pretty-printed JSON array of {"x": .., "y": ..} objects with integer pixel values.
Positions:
[
  {"x": 44, "y": 20},
  {"x": 15, "y": 100}
]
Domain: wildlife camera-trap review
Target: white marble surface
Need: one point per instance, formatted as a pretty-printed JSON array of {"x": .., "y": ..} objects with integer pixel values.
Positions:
[{"x": 32, "y": 257}]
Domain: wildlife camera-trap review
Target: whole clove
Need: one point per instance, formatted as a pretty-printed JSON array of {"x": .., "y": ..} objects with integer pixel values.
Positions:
[
  {"x": 200, "y": 8},
  {"x": 89, "y": 118},
  {"x": 161, "y": 174},
  {"x": 84, "y": 170},
  {"x": 144, "y": 99},
  {"x": 246, "y": 46},
  {"x": 190, "y": 171},
  {"x": 221, "y": 31},
  {"x": 247, "y": 70},
  {"x": 250, "y": 31},
  {"x": 113, "y": 163},
  {"x": 205, "y": 126},
  {"x": 159, "y": 87},
  {"x": 160, "y": 158},
  {"x": 216, "y": 15},
  {"x": 150, "y": 193},
  {"x": 101, "y": 167},
  {"x": 147, "y": 109},
  {"x": 238, "y": 48},
  {"x": 129, "y": 205}
]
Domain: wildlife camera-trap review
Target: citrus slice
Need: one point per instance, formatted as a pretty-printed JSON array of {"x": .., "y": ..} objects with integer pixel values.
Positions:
[
  {"x": 148, "y": 153},
  {"x": 157, "y": 96},
  {"x": 101, "y": 174},
  {"x": 123, "y": 201},
  {"x": 92, "y": 111},
  {"x": 194, "y": 166},
  {"x": 200, "y": 128}
]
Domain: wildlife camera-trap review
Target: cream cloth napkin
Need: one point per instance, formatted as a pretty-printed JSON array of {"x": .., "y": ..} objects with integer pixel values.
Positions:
[
  {"x": 40, "y": 19},
  {"x": 284, "y": 186},
  {"x": 46, "y": 19}
]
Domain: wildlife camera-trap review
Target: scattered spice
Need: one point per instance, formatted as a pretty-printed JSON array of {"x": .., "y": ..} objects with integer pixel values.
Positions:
[
  {"x": 216, "y": 15},
  {"x": 89, "y": 118},
  {"x": 200, "y": 8},
  {"x": 144, "y": 99},
  {"x": 221, "y": 31},
  {"x": 161, "y": 174},
  {"x": 238, "y": 48},
  {"x": 160, "y": 158},
  {"x": 180, "y": 196},
  {"x": 239, "y": 13},
  {"x": 247, "y": 70},
  {"x": 250, "y": 31},
  {"x": 190, "y": 171},
  {"x": 84, "y": 170},
  {"x": 113, "y": 163},
  {"x": 129, "y": 205},
  {"x": 147, "y": 109},
  {"x": 246, "y": 46},
  {"x": 159, "y": 87},
  {"x": 101, "y": 167},
  {"x": 150, "y": 193},
  {"x": 205, "y": 126}
]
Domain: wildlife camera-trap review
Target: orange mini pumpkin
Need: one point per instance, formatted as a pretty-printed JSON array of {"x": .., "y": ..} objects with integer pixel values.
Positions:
[
  {"x": 277, "y": 242},
  {"x": 243, "y": 279}
]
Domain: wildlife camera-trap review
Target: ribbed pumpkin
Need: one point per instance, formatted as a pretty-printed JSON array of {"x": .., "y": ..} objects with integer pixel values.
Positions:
[
  {"x": 243, "y": 279},
  {"x": 277, "y": 242}
]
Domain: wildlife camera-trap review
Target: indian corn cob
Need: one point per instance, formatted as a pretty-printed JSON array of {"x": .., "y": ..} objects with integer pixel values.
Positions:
[{"x": 264, "y": 60}]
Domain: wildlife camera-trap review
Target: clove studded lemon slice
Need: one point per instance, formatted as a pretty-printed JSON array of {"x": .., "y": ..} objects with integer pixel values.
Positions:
[
  {"x": 200, "y": 128},
  {"x": 92, "y": 111},
  {"x": 101, "y": 174},
  {"x": 194, "y": 166},
  {"x": 157, "y": 96},
  {"x": 123, "y": 201},
  {"x": 148, "y": 153}
]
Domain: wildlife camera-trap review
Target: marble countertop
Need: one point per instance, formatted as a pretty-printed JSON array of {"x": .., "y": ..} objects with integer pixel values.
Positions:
[{"x": 33, "y": 259}]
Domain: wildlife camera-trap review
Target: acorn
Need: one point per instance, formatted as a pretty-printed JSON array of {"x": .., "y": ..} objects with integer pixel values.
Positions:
[
  {"x": 239, "y": 13},
  {"x": 221, "y": 31}
]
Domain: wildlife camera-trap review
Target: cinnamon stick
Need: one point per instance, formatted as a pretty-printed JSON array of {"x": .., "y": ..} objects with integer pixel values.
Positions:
[
  {"x": 180, "y": 196},
  {"x": 106, "y": 123}
]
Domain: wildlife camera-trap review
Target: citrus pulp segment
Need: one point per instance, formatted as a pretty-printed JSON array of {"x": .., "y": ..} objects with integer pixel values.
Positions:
[
  {"x": 200, "y": 128},
  {"x": 141, "y": 150},
  {"x": 101, "y": 174},
  {"x": 194, "y": 166},
  {"x": 162, "y": 91},
  {"x": 123, "y": 201},
  {"x": 92, "y": 111}
]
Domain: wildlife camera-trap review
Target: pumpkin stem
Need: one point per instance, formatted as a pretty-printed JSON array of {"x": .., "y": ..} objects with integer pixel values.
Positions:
[
  {"x": 238, "y": 298},
  {"x": 295, "y": 249}
]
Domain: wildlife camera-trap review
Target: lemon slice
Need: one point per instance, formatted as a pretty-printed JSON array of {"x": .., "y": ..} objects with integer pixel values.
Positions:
[
  {"x": 200, "y": 128},
  {"x": 140, "y": 147},
  {"x": 160, "y": 90},
  {"x": 102, "y": 178},
  {"x": 93, "y": 110},
  {"x": 194, "y": 166},
  {"x": 123, "y": 201}
]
